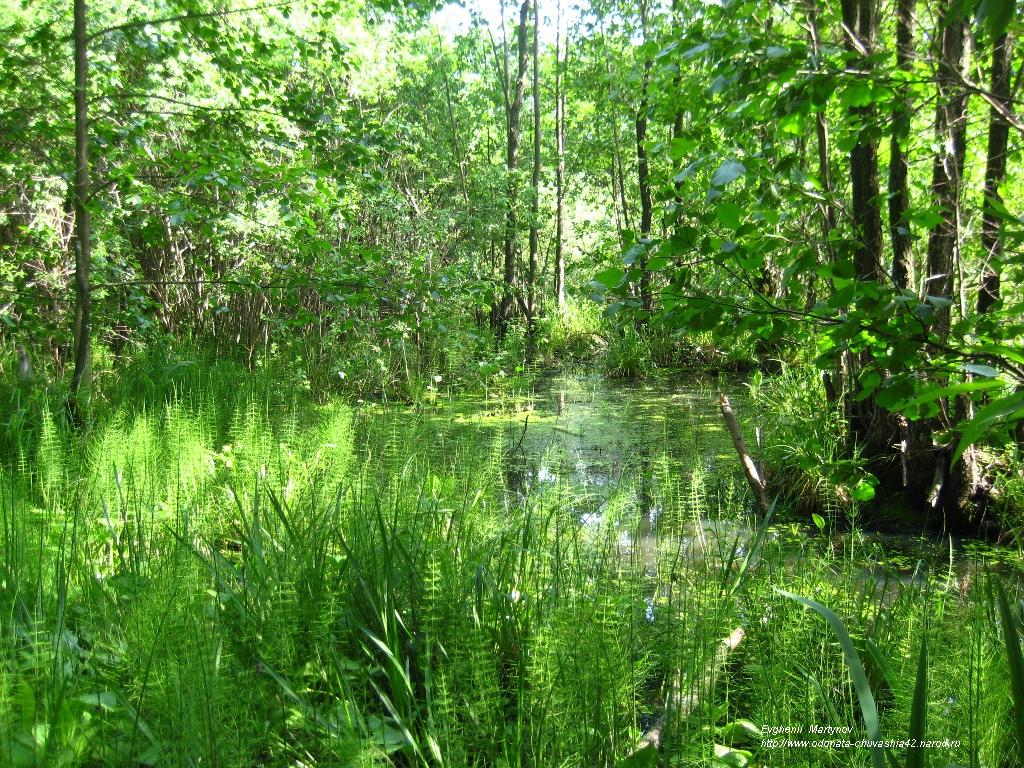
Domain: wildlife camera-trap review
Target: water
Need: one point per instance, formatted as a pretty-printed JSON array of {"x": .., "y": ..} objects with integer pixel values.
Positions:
[{"x": 654, "y": 459}]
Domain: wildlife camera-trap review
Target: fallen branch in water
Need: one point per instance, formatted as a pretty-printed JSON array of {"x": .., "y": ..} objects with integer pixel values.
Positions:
[{"x": 753, "y": 475}]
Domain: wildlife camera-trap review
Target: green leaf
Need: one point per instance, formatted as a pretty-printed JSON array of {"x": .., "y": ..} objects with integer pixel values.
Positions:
[
  {"x": 982, "y": 370},
  {"x": 735, "y": 758},
  {"x": 729, "y": 215},
  {"x": 740, "y": 731},
  {"x": 995, "y": 15},
  {"x": 727, "y": 172},
  {"x": 1014, "y": 659},
  {"x": 863, "y": 491},
  {"x": 856, "y": 95},
  {"x": 1010, "y": 407},
  {"x": 643, "y": 758},
  {"x": 696, "y": 50},
  {"x": 792, "y": 124},
  {"x": 102, "y": 699},
  {"x": 819, "y": 521},
  {"x": 931, "y": 394},
  {"x": 610, "y": 278}
]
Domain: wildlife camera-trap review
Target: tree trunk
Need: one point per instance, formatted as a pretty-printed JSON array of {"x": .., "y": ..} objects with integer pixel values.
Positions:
[
  {"x": 828, "y": 208},
  {"x": 677, "y": 80},
  {"x": 531, "y": 299},
  {"x": 642, "y": 171},
  {"x": 618, "y": 176},
  {"x": 995, "y": 172},
  {"x": 959, "y": 481},
  {"x": 872, "y": 429},
  {"x": 82, "y": 239},
  {"x": 515, "y": 105},
  {"x": 915, "y": 437},
  {"x": 559, "y": 164},
  {"x": 453, "y": 124},
  {"x": 861, "y": 22},
  {"x": 947, "y": 167},
  {"x": 899, "y": 192}
]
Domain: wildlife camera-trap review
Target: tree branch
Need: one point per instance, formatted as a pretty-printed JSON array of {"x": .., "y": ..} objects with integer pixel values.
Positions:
[{"x": 140, "y": 23}]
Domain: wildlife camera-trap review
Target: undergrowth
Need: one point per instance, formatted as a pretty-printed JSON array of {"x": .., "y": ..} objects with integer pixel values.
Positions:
[{"x": 217, "y": 572}]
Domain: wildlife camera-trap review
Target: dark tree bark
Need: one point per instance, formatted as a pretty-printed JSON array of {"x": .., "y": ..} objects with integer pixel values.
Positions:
[
  {"x": 957, "y": 483},
  {"x": 873, "y": 429},
  {"x": 642, "y": 170},
  {"x": 677, "y": 33},
  {"x": 828, "y": 208},
  {"x": 995, "y": 172},
  {"x": 512, "y": 132},
  {"x": 917, "y": 457},
  {"x": 82, "y": 242},
  {"x": 618, "y": 176},
  {"x": 899, "y": 192},
  {"x": 948, "y": 165},
  {"x": 860, "y": 20}
]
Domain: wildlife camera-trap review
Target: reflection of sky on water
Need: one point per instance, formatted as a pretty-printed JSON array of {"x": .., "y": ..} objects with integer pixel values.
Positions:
[{"x": 594, "y": 438}]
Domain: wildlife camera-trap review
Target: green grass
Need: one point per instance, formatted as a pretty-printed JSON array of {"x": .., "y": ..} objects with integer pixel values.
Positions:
[{"x": 219, "y": 573}]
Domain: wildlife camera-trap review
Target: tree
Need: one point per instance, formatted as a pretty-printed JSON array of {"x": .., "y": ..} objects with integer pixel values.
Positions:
[
  {"x": 83, "y": 237},
  {"x": 559, "y": 282},
  {"x": 899, "y": 190},
  {"x": 642, "y": 166},
  {"x": 513, "y": 107},
  {"x": 531, "y": 296},
  {"x": 995, "y": 172}
]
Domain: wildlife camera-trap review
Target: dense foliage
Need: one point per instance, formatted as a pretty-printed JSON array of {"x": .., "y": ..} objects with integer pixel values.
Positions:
[
  {"x": 248, "y": 251},
  {"x": 353, "y": 189}
]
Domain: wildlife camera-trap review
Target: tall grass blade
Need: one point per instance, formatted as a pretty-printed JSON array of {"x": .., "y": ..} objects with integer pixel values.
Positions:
[
  {"x": 861, "y": 687},
  {"x": 919, "y": 709},
  {"x": 1011, "y": 637}
]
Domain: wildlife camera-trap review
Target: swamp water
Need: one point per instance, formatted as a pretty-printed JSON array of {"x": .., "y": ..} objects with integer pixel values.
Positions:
[{"x": 654, "y": 457}]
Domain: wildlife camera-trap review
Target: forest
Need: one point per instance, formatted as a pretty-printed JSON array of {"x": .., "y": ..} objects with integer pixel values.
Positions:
[{"x": 512, "y": 383}]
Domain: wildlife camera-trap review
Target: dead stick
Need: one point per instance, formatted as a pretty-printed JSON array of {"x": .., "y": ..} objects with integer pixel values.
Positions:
[
  {"x": 688, "y": 703},
  {"x": 754, "y": 477}
]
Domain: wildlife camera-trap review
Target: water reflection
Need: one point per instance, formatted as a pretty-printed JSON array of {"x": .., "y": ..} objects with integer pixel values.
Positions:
[{"x": 653, "y": 460}]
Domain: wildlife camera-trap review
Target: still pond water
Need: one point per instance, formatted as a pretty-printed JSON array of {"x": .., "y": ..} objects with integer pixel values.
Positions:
[{"x": 654, "y": 458}]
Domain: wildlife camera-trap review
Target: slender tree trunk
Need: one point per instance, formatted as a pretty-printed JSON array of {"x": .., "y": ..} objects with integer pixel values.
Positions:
[
  {"x": 531, "y": 301},
  {"x": 995, "y": 172},
  {"x": 899, "y": 191},
  {"x": 955, "y": 488},
  {"x": 618, "y": 176},
  {"x": 511, "y": 163},
  {"x": 454, "y": 126},
  {"x": 917, "y": 457},
  {"x": 559, "y": 164},
  {"x": 829, "y": 216},
  {"x": 642, "y": 170},
  {"x": 677, "y": 33},
  {"x": 83, "y": 238},
  {"x": 947, "y": 168},
  {"x": 860, "y": 20}
]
